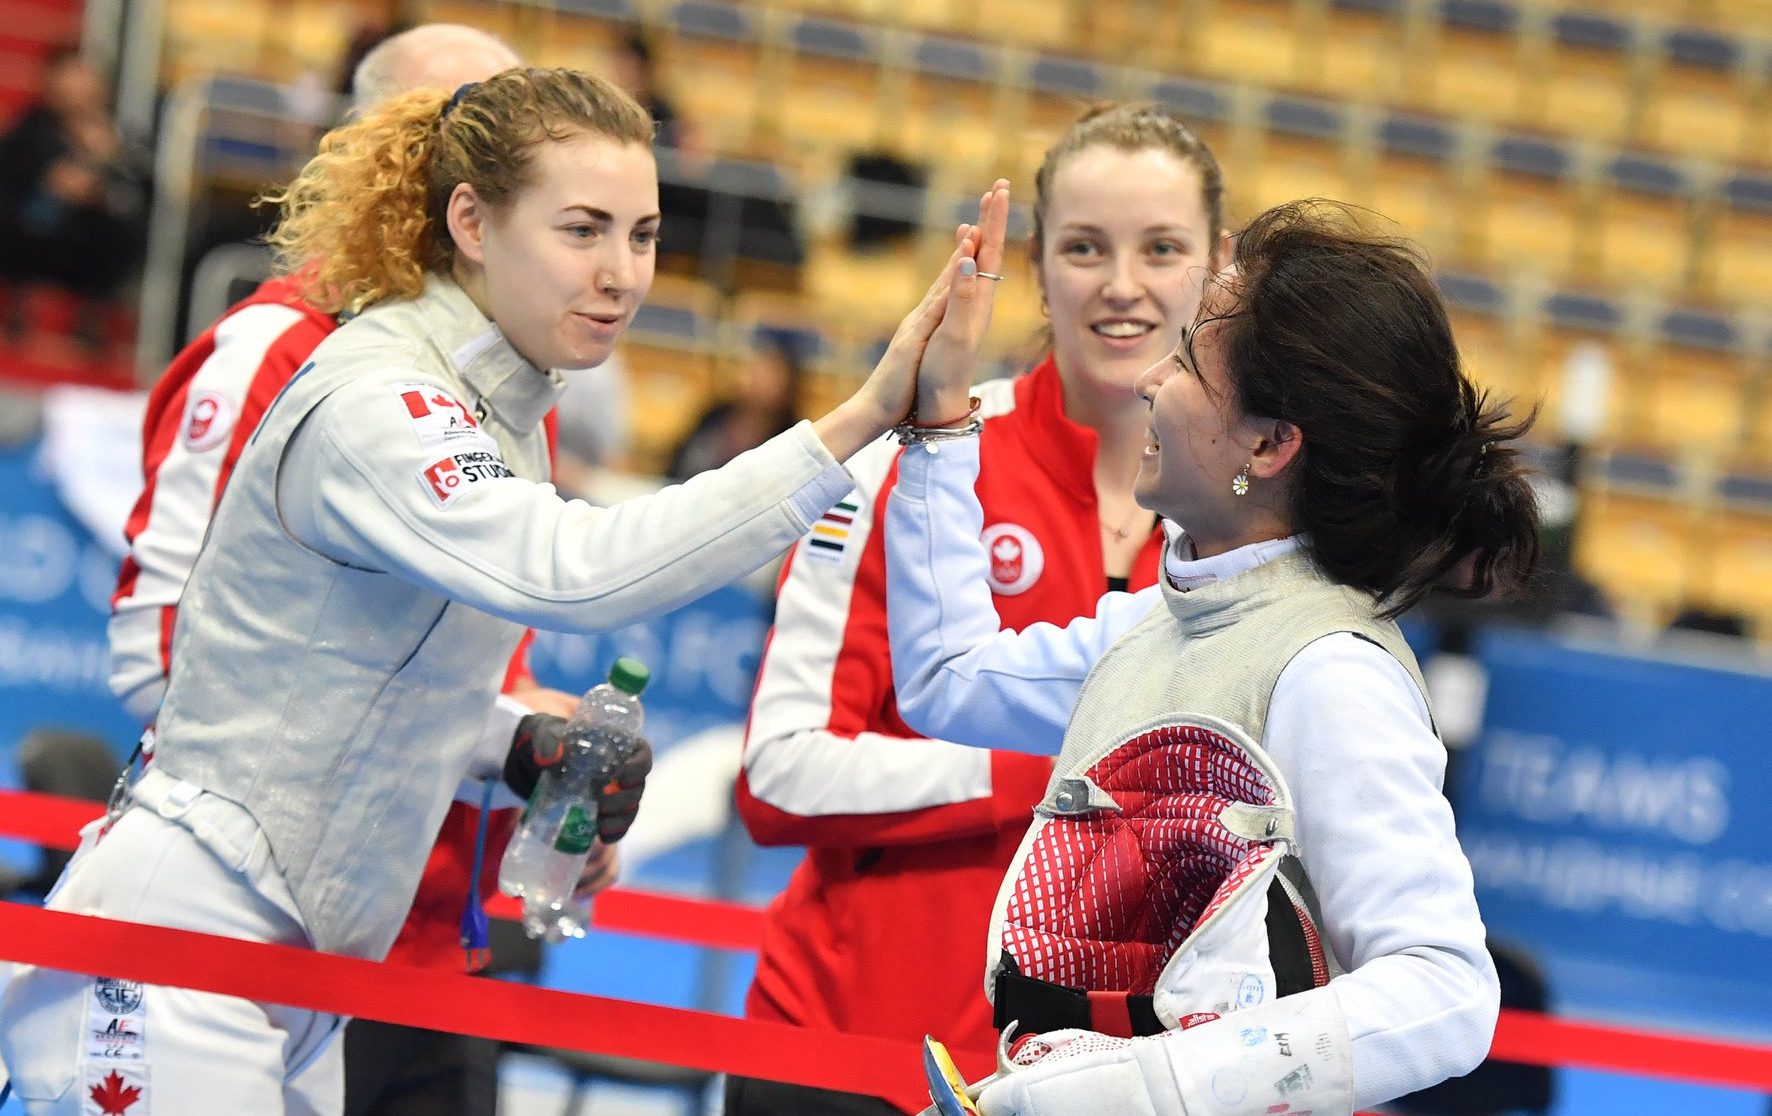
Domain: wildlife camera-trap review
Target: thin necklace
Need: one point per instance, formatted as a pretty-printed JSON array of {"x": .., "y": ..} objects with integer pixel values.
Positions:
[{"x": 1121, "y": 534}]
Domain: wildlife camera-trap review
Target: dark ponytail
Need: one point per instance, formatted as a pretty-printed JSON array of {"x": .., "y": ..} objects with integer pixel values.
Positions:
[{"x": 1407, "y": 482}]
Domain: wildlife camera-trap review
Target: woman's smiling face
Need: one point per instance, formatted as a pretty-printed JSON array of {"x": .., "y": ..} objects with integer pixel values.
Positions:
[{"x": 1127, "y": 242}]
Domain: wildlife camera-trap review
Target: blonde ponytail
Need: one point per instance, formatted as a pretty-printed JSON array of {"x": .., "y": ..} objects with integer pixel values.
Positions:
[{"x": 357, "y": 224}]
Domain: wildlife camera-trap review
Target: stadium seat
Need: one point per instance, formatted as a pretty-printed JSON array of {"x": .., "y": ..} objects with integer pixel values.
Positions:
[
  {"x": 829, "y": 101},
  {"x": 1756, "y": 449},
  {"x": 668, "y": 387},
  {"x": 1738, "y": 267},
  {"x": 1693, "y": 388},
  {"x": 1570, "y": 322},
  {"x": 569, "y": 38},
  {"x": 1700, "y": 103},
  {"x": 1586, "y": 82},
  {"x": 717, "y": 50},
  {"x": 1036, "y": 24},
  {"x": 1418, "y": 182},
  {"x": 1252, "y": 41},
  {"x": 1738, "y": 577},
  {"x": 1640, "y": 549},
  {"x": 206, "y": 37},
  {"x": 1210, "y": 109},
  {"x": 1494, "y": 355},
  {"x": 955, "y": 109},
  {"x": 1475, "y": 62},
  {"x": 1644, "y": 228},
  {"x": 1530, "y": 209},
  {"x": 1305, "y": 152},
  {"x": 1351, "y": 51},
  {"x": 1058, "y": 91}
]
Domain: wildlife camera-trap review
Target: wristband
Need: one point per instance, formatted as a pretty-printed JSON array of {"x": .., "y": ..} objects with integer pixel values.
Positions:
[{"x": 912, "y": 433}]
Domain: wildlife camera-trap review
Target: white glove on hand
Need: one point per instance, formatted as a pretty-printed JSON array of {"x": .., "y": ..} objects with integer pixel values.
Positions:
[
  {"x": 1291, "y": 1055},
  {"x": 1071, "y": 1071}
]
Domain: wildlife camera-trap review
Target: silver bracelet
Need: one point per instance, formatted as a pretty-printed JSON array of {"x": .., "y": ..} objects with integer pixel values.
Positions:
[{"x": 909, "y": 435}]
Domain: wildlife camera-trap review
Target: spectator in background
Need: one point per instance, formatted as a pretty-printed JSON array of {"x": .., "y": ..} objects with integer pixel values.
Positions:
[
  {"x": 767, "y": 401},
  {"x": 632, "y": 66},
  {"x": 73, "y": 200}
]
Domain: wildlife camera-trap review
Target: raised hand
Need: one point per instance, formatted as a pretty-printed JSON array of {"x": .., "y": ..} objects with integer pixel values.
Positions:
[
  {"x": 950, "y": 358},
  {"x": 889, "y": 392}
]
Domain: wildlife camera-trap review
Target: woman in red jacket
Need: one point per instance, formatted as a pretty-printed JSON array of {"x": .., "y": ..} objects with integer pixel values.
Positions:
[{"x": 908, "y": 839}]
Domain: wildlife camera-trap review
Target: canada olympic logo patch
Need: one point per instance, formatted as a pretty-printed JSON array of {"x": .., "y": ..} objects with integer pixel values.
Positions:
[
  {"x": 209, "y": 419},
  {"x": 1016, "y": 557}
]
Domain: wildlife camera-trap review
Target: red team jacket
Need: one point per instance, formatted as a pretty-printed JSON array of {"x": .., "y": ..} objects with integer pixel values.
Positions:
[
  {"x": 882, "y": 928},
  {"x": 200, "y": 416}
]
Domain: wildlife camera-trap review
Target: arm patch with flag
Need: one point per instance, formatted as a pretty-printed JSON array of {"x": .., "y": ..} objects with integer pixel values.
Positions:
[{"x": 438, "y": 418}]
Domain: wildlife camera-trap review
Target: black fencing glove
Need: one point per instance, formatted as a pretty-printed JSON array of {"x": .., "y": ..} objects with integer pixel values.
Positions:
[
  {"x": 618, "y": 800},
  {"x": 540, "y": 743}
]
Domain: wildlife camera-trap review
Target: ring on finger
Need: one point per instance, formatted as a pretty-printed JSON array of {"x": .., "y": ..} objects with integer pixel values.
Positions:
[{"x": 990, "y": 275}]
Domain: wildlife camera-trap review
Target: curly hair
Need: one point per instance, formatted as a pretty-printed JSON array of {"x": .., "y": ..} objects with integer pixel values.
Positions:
[{"x": 365, "y": 219}]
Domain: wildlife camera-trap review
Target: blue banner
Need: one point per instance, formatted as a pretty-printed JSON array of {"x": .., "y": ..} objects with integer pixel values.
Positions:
[
  {"x": 55, "y": 589},
  {"x": 703, "y": 658},
  {"x": 1612, "y": 813}
]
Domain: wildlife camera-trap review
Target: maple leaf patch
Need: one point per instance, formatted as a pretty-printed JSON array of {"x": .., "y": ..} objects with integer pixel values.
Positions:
[{"x": 114, "y": 1094}]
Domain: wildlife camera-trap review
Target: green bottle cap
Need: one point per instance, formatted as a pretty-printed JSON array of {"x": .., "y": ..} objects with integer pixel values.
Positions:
[{"x": 629, "y": 675}]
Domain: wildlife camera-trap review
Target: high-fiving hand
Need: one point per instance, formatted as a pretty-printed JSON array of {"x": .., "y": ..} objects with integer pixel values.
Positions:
[
  {"x": 950, "y": 359},
  {"x": 894, "y": 387}
]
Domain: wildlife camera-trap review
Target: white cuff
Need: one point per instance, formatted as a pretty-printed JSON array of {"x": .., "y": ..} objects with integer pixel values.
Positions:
[{"x": 487, "y": 765}]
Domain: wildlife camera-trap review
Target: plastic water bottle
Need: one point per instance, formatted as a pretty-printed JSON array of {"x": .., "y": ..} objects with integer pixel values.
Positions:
[{"x": 558, "y": 829}]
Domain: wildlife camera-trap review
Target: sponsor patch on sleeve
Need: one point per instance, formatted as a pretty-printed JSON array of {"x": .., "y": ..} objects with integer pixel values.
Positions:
[
  {"x": 446, "y": 479},
  {"x": 438, "y": 417}
]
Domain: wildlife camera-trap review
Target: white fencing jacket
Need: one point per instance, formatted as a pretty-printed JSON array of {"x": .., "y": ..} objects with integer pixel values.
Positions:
[
  {"x": 1346, "y": 726},
  {"x": 384, "y": 541}
]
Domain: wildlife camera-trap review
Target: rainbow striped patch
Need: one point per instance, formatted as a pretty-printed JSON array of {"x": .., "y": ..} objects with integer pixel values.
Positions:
[{"x": 829, "y": 537}]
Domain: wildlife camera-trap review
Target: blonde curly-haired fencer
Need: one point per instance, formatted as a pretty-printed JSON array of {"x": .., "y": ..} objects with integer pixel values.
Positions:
[
  {"x": 201, "y": 412},
  {"x": 1323, "y": 463},
  {"x": 384, "y": 540}
]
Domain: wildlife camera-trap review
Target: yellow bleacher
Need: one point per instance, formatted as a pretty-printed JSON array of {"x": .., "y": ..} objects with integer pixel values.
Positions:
[
  {"x": 1540, "y": 181},
  {"x": 1642, "y": 551},
  {"x": 1737, "y": 575}
]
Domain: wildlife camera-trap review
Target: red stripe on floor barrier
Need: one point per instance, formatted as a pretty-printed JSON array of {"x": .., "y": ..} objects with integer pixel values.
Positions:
[
  {"x": 495, "y": 1009},
  {"x": 1542, "y": 1041},
  {"x": 44, "y": 819},
  {"x": 55, "y": 823},
  {"x": 1520, "y": 1037},
  {"x": 652, "y": 914}
]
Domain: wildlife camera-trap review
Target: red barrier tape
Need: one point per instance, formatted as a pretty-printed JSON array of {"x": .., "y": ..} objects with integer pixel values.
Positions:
[
  {"x": 496, "y": 1009},
  {"x": 686, "y": 1038},
  {"x": 55, "y": 823},
  {"x": 44, "y": 819},
  {"x": 1542, "y": 1041}
]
